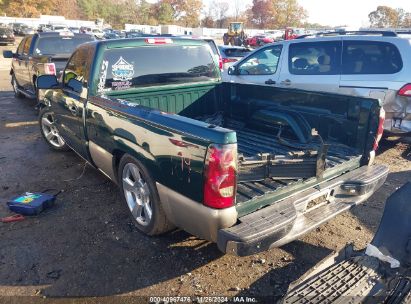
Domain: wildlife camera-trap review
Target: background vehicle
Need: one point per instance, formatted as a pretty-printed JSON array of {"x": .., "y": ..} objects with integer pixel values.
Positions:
[
  {"x": 59, "y": 28},
  {"x": 373, "y": 64},
  {"x": 99, "y": 34},
  {"x": 6, "y": 36},
  {"x": 293, "y": 33},
  {"x": 258, "y": 40},
  {"x": 231, "y": 163},
  {"x": 111, "y": 35},
  {"x": 235, "y": 34},
  {"x": 231, "y": 54},
  {"x": 38, "y": 54},
  {"x": 16, "y": 28},
  {"x": 74, "y": 29}
]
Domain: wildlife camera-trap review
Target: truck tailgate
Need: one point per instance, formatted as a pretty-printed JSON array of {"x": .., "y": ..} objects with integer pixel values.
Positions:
[{"x": 294, "y": 216}]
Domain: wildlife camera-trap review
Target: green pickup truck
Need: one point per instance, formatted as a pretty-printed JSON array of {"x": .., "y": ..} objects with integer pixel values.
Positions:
[{"x": 246, "y": 166}]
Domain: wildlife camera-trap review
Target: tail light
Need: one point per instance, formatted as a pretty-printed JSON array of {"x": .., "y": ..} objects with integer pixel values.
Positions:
[
  {"x": 380, "y": 129},
  {"x": 220, "y": 176},
  {"x": 405, "y": 90},
  {"x": 159, "y": 40},
  {"x": 220, "y": 63},
  {"x": 227, "y": 60},
  {"x": 50, "y": 69}
]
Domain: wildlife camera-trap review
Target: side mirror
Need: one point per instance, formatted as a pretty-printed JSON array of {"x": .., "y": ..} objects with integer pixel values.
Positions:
[
  {"x": 47, "y": 82},
  {"x": 232, "y": 70},
  {"x": 75, "y": 85},
  {"x": 8, "y": 54}
]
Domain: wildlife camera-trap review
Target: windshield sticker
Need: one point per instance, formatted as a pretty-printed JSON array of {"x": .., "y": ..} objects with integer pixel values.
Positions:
[
  {"x": 121, "y": 85},
  {"x": 122, "y": 70},
  {"x": 103, "y": 75}
]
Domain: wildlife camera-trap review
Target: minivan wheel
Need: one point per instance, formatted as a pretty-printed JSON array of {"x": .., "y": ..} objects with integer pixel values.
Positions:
[
  {"x": 50, "y": 132},
  {"x": 141, "y": 198},
  {"x": 15, "y": 87}
]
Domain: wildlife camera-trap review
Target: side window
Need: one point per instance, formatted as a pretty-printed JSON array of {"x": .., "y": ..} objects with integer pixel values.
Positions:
[
  {"x": 315, "y": 58},
  {"x": 26, "y": 48},
  {"x": 20, "y": 47},
  {"x": 78, "y": 66},
  {"x": 264, "y": 62},
  {"x": 370, "y": 57}
]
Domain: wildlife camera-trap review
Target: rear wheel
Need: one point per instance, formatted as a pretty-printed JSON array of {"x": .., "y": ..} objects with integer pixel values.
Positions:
[
  {"x": 15, "y": 87},
  {"x": 49, "y": 131},
  {"x": 140, "y": 195}
]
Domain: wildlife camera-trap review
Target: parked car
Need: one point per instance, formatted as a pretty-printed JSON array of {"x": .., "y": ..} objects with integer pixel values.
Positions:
[
  {"x": 59, "y": 28},
  {"x": 26, "y": 30},
  {"x": 258, "y": 40},
  {"x": 16, "y": 27},
  {"x": 111, "y": 35},
  {"x": 6, "y": 36},
  {"x": 74, "y": 29},
  {"x": 232, "y": 163},
  {"x": 374, "y": 65},
  {"x": 38, "y": 54},
  {"x": 99, "y": 34},
  {"x": 231, "y": 54}
]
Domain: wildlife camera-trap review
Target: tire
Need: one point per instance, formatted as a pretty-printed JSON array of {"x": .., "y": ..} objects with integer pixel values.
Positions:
[
  {"x": 140, "y": 196},
  {"x": 49, "y": 131},
  {"x": 15, "y": 86}
]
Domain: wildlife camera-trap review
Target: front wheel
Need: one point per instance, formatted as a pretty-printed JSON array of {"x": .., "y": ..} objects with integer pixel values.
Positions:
[
  {"x": 50, "y": 132},
  {"x": 140, "y": 195}
]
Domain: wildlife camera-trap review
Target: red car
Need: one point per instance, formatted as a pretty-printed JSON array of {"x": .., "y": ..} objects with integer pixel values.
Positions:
[{"x": 258, "y": 40}]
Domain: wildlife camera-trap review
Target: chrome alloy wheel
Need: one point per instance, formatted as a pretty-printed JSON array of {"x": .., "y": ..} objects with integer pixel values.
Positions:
[
  {"x": 50, "y": 131},
  {"x": 137, "y": 194}
]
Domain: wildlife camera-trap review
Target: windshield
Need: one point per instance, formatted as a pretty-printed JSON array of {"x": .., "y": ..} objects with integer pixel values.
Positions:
[
  {"x": 5, "y": 31},
  {"x": 59, "y": 45},
  {"x": 152, "y": 65}
]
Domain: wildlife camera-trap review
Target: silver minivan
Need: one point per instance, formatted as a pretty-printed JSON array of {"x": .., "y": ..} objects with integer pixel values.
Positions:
[{"x": 372, "y": 65}]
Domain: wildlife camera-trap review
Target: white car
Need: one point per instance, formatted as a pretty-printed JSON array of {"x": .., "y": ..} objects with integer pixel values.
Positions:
[
  {"x": 59, "y": 28},
  {"x": 99, "y": 34},
  {"x": 369, "y": 64}
]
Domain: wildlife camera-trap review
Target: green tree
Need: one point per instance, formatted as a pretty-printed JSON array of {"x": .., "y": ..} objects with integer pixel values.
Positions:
[{"x": 164, "y": 13}]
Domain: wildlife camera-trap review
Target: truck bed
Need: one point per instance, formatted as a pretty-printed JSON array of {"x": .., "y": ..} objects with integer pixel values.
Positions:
[{"x": 251, "y": 143}]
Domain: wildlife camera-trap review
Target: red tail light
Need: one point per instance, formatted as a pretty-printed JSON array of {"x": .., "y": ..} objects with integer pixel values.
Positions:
[
  {"x": 380, "y": 129},
  {"x": 220, "y": 177},
  {"x": 227, "y": 60},
  {"x": 50, "y": 69},
  {"x": 405, "y": 90},
  {"x": 220, "y": 63},
  {"x": 159, "y": 40}
]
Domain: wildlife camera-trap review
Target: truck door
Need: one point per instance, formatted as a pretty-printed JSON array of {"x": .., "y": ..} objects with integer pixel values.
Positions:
[
  {"x": 24, "y": 63},
  {"x": 261, "y": 67},
  {"x": 312, "y": 66},
  {"x": 18, "y": 62},
  {"x": 69, "y": 109}
]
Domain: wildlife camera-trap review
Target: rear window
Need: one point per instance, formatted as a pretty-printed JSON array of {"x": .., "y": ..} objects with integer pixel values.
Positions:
[
  {"x": 134, "y": 67},
  {"x": 59, "y": 45},
  {"x": 370, "y": 57},
  {"x": 236, "y": 52}
]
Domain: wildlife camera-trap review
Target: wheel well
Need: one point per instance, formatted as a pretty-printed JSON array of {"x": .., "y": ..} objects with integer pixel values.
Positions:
[{"x": 117, "y": 155}]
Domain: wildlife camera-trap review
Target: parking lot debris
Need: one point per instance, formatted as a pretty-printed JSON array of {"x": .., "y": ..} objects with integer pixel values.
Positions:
[{"x": 12, "y": 218}]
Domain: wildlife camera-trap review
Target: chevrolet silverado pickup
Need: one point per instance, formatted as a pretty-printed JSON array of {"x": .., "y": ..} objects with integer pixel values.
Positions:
[{"x": 246, "y": 166}]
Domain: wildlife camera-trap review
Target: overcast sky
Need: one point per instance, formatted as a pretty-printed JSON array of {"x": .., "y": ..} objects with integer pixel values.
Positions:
[{"x": 340, "y": 12}]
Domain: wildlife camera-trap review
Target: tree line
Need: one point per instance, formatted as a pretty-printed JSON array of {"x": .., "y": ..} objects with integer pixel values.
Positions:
[
  {"x": 388, "y": 17},
  {"x": 189, "y": 13}
]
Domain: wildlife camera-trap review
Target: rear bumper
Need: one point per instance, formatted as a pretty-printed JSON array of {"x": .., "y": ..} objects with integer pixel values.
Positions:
[{"x": 294, "y": 216}]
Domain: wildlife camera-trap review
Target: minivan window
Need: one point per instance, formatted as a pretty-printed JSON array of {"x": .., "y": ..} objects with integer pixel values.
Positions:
[
  {"x": 133, "y": 67},
  {"x": 315, "y": 58},
  {"x": 370, "y": 57},
  {"x": 263, "y": 62}
]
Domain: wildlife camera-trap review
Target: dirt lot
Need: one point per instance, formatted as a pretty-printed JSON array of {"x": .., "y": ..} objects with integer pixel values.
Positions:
[{"x": 87, "y": 246}]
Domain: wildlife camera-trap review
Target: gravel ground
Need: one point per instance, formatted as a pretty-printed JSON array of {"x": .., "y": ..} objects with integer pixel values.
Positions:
[{"x": 87, "y": 246}]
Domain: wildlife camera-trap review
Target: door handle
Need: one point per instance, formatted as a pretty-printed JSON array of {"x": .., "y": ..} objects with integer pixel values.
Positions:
[
  {"x": 270, "y": 81},
  {"x": 74, "y": 110},
  {"x": 286, "y": 82}
]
